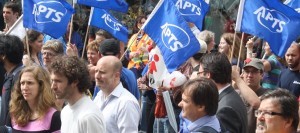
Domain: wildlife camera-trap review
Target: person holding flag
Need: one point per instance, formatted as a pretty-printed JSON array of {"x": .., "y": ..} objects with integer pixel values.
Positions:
[
  {"x": 269, "y": 20},
  {"x": 137, "y": 48},
  {"x": 11, "y": 12}
]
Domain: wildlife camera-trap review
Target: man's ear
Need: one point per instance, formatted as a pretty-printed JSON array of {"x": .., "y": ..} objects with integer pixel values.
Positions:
[
  {"x": 17, "y": 14},
  {"x": 74, "y": 83},
  {"x": 201, "y": 108},
  {"x": 288, "y": 123},
  {"x": 207, "y": 75}
]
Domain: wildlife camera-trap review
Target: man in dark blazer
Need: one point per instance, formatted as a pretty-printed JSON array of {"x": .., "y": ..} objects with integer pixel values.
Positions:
[{"x": 231, "y": 111}]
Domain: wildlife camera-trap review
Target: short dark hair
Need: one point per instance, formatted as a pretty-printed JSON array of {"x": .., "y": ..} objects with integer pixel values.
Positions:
[
  {"x": 203, "y": 91},
  {"x": 12, "y": 48},
  {"x": 104, "y": 33},
  {"x": 109, "y": 47},
  {"x": 14, "y": 6},
  {"x": 74, "y": 69},
  {"x": 288, "y": 102},
  {"x": 218, "y": 65}
]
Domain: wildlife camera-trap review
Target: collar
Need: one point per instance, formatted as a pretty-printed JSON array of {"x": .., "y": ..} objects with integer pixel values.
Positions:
[
  {"x": 221, "y": 90},
  {"x": 117, "y": 91},
  {"x": 200, "y": 122}
]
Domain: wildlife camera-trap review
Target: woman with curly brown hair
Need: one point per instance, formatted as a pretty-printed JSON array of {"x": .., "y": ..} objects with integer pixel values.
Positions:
[{"x": 32, "y": 106}]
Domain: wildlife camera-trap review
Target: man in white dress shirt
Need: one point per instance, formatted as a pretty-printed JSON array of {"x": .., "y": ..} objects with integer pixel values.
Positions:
[{"x": 120, "y": 108}]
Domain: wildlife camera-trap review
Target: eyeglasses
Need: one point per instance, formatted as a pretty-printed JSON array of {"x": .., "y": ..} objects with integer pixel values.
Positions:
[
  {"x": 252, "y": 72},
  {"x": 48, "y": 53},
  {"x": 198, "y": 73},
  {"x": 266, "y": 114}
]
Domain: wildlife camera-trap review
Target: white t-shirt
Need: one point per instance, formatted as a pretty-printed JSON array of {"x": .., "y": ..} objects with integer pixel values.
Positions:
[{"x": 82, "y": 117}]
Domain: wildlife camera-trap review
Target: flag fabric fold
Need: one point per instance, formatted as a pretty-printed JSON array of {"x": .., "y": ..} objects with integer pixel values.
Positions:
[
  {"x": 50, "y": 17},
  {"x": 104, "y": 20},
  {"x": 270, "y": 20},
  {"x": 193, "y": 11},
  {"x": 117, "y": 5},
  {"x": 17, "y": 29},
  {"x": 172, "y": 35},
  {"x": 295, "y": 4}
]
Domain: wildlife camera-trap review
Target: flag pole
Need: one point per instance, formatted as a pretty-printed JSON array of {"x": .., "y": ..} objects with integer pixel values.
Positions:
[
  {"x": 87, "y": 31},
  {"x": 148, "y": 19},
  {"x": 27, "y": 43},
  {"x": 130, "y": 44},
  {"x": 71, "y": 24},
  {"x": 232, "y": 48},
  {"x": 85, "y": 40},
  {"x": 240, "y": 51},
  {"x": 238, "y": 24},
  {"x": 14, "y": 25}
]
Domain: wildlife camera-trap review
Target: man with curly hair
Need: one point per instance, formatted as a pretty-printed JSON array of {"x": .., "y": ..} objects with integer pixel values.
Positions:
[{"x": 70, "y": 80}]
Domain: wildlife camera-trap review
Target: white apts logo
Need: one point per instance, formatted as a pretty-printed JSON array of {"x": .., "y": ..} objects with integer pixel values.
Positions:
[
  {"x": 273, "y": 20},
  {"x": 171, "y": 40},
  {"x": 187, "y": 8},
  {"x": 110, "y": 22},
  {"x": 48, "y": 11}
]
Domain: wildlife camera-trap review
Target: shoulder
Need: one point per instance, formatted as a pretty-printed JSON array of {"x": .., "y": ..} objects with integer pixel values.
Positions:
[
  {"x": 230, "y": 98},
  {"x": 127, "y": 96},
  {"x": 93, "y": 122}
]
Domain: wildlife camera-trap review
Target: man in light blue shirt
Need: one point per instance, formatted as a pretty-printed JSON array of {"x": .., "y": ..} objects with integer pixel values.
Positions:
[
  {"x": 199, "y": 106},
  {"x": 120, "y": 108}
]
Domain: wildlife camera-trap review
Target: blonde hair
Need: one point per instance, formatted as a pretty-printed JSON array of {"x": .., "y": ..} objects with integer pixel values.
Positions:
[
  {"x": 94, "y": 45},
  {"x": 19, "y": 108},
  {"x": 54, "y": 45}
]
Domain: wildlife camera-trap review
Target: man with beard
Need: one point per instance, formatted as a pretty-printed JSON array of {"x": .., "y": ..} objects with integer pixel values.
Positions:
[
  {"x": 120, "y": 108},
  {"x": 290, "y": 78},
  {"x": 70, "y": 80},
  {"x": 277, "y": 113}
]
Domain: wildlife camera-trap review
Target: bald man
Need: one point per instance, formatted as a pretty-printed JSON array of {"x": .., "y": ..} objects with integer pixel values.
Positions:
[{"x": 120, "y": 108}]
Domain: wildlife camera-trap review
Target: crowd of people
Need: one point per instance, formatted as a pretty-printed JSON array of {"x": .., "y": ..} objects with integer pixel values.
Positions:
[{"x": 49, "y": 87}]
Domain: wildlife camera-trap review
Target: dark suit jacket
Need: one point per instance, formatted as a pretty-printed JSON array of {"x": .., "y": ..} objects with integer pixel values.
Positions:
[{"x": 232, "y": 112}]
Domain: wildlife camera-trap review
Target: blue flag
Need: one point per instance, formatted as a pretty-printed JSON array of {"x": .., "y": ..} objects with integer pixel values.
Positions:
[
  {"x": 50, "y": 17},
  {"x": 270, "y": 20},
  {"x": 171, "y": 33},
  {"x": 295, "y": 4},
  {"x": 104, "y": 20},
  {"x": 193, "y": 10},
  {"x": 117, "y": 5}
]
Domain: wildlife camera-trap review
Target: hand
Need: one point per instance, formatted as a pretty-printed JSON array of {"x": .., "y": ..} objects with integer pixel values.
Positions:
[
  {"x": 143, "y": 87},
  {"x": 162, "y": 89},
  {"x": 134, "y": 54},
  {"x": 250, "y": 43},
  {"x": 143, "y": 49},
  {"x": 235, "y": 74},
  {"x": 26, "y": 60},
  {"x": 191, "y": 25},
  {"x": 71, "y": 50}
]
